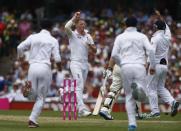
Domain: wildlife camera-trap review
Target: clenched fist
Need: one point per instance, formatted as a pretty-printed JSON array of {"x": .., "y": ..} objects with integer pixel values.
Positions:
[{"x": 76, "y": 16}]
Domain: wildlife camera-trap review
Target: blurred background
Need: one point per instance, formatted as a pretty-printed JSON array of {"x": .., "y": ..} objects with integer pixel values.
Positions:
[{"x": 105, "y": 20}]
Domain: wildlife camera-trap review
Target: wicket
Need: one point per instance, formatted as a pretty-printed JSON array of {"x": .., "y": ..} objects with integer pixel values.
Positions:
[{"x": 67, "y": 91}]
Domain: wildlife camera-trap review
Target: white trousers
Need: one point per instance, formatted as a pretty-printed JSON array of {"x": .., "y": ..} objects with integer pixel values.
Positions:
[
  {"x": 156, "y": 87},
  {"x": 40, "y": 76},
  {"x": 132, "y": 73},
  {"x": 79, "y": 72},
  {"x": 117, "y": 80}
]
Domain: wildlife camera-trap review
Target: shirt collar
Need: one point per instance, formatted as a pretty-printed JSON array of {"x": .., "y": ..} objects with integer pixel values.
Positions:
[
  {"x": 77, "y": 33},
  {"x": 158, "y": 32},
  {"x": 45, "y": 31},
  {"x": 131, "y": 29}
]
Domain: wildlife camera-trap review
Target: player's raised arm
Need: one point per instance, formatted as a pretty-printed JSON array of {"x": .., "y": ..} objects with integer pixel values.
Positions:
[
  {"x": 159, "y": 15},
  {"x": 71, "y": 22},
  {"x": 167, "y": 29}
]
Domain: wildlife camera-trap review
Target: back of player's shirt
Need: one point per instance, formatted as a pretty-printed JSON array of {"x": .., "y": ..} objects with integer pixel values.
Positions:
[
  {"x": 131, "y": 47},
  {"x": 41, "y": 46}
]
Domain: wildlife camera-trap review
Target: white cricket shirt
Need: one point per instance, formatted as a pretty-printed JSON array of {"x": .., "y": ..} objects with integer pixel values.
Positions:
[
  {"x": 131, "y": 47},
  {"x": 78, "y": 43},
  {"x": 41, "y": 46},
  {"x": 161, "y": 42}
]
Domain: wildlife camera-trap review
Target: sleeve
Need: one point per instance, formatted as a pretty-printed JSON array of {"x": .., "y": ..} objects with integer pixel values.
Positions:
[
  {"x": 68, "y": 27},
  {"x": 90, "y": 40},
  {"x": 23, "y": 46},
  {"x": 168, "y": 32},
  {"x": 154, "y": 44},
  {"x": 56, "y": 53},
  {"x": 150, "y": 50},
  {"x": 115, "y": 52}
]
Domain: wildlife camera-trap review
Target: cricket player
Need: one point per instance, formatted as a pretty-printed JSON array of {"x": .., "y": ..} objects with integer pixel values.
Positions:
[
  {"x": 81, "y": 43},
  {"x": 115, "y": 87},
  {"x": 113, "y": 93},
  {"x": 129, "y": 52},
  {"x": 161, "y": 42},
  {"x": 41, "y": 46}
]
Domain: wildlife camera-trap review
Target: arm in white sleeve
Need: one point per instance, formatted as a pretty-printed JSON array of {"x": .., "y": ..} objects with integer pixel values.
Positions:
[
  {"x": 90, "y": 40},
  {"x": 68, "y": 27},
  {"x": 23, "y": 46},
  {"x": 115, "y": 52},
  {"x": 91, "y": 44},
  {"x": 56, "y": 53},
  {"x": 167, "y": 31},
  {"x": 150, "y": 51}
]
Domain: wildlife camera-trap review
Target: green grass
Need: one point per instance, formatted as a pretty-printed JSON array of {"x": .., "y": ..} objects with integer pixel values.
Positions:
[{"x": 51, "y": 121}]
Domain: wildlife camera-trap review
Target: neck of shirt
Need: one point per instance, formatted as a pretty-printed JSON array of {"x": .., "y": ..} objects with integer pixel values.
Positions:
[
  {"x": 159, "y": 32},
  {"x": 79, "y": 33},
  {"x": 131, "y": 29},
  {"x": 45, "y": 31}
]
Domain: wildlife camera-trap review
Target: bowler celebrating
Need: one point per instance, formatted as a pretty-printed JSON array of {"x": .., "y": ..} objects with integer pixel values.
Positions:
[{"x": 80, "y": 44}]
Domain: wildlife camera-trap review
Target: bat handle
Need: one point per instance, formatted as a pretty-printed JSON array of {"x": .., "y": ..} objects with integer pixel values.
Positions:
[{"x": 103, "y": 87}]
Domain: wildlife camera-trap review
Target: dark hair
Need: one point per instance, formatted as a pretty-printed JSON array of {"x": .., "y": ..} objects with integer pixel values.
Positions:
[
  {"x": 160, "y": 25},
  {"x": 131, "y": 21},
  {"x": 46, "y": 24}
]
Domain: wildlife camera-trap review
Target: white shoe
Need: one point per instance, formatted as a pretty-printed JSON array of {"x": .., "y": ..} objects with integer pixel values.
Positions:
[
  {"x": 84, "y": 113},
  {"x": 106, "y": 115}
]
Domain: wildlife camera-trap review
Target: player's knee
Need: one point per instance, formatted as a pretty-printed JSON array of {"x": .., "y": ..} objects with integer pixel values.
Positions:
[
  {"x": 139, "y": 94},
  {"x": 152, "y": 94},
  {"x": 115, "y": 87},
  {"x": 79, "y": 84}
]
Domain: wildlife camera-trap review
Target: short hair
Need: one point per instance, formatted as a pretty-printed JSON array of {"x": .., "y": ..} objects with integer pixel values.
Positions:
[
  {"x": 160, "y": 25},
  {"x": 81, "y": 20},
  {"x": 131, "y": 21},
  {"x": 46, "y": 24}
]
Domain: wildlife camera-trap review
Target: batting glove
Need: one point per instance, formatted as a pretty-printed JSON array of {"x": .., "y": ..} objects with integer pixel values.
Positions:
[
  {"x": 104, "y": 73},
  {"x": 108, "y": 73}
]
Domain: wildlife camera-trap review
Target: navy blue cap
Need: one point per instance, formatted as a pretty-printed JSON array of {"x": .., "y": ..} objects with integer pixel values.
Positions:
[
  {"x": 131, "y": 21},
  {"x": 160, "y": 25}
]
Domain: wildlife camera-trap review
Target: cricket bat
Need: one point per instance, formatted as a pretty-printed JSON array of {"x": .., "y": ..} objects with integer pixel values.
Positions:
[{"x": 102, "y": 92}]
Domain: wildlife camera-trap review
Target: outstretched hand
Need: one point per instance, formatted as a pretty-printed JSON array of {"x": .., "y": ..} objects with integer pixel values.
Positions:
[{"x": 157, "y": 13}]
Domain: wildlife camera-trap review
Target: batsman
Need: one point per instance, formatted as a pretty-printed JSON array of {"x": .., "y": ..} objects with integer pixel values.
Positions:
[
  {"x": 114, "y": 92},
  {"x": 115, "y": 87}
]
